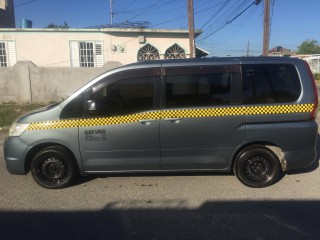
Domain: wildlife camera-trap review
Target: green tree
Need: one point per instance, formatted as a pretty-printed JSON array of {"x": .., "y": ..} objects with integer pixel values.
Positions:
[
  {"x": 64, "y": 26},
  {"x": 309, "y": 47}
]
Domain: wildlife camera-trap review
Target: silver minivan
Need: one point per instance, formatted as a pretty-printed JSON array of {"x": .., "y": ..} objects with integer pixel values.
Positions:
[{"x": 252, "y": 116}]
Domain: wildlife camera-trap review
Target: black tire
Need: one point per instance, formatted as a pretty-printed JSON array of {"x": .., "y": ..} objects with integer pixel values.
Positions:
[
  {"x": 53, "y": 167},
  {"x": 257, "y": 167}
]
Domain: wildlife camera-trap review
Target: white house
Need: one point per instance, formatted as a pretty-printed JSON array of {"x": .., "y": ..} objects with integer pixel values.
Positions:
[
  {"x": 50, "y": 64},
  {"x": 91, "y": 47}
]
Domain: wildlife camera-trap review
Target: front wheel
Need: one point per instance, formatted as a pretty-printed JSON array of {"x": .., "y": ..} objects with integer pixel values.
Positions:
[
  {"x": 257, "y": 166},
  {"x": 53, "y": 167}
]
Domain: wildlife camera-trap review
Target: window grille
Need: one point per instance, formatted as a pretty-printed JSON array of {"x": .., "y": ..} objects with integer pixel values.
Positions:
[
  {"x": 148, "y": 52},
  {"x": 86, "y": 54},
  {"x": 3, "y": 55},
  {"x": 175, "y": 51}
]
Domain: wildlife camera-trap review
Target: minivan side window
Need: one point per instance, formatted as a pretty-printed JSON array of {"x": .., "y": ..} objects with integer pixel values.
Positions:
[
  {"x": 270, "y": 83},
  {"x": 198, "y": 86},
  {"x": 126, "y": 96}
]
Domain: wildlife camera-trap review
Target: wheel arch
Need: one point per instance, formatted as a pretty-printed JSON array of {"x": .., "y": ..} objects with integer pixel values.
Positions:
[
  {"x": 37, "y": 148},
  {"x": 272, "y": 146}
]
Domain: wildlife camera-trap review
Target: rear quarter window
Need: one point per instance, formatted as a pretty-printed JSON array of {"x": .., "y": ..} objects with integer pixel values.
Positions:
[{"x": 270, "y": 83}]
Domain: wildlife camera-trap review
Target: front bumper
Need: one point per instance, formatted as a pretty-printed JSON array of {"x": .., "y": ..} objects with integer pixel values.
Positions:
[{"x": 15, "y": 151}]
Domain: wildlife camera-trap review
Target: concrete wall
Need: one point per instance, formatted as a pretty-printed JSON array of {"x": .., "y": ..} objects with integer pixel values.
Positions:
[{"x": 25, "y": 82}]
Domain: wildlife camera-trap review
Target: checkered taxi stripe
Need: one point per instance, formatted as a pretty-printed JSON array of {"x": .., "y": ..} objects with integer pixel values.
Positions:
[{"x": 179, "y": 113}]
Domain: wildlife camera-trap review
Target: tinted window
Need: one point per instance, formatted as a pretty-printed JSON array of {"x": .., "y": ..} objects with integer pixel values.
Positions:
[
  {"x": 198, "y": 86},
  {"x": 74, "y": 109},
  {"x": 270, "y": 83},
  {"x": 124, "y": 96}
]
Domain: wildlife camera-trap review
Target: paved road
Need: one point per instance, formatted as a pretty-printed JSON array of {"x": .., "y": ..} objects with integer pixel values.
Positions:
[{"x": 205, "y": 206}]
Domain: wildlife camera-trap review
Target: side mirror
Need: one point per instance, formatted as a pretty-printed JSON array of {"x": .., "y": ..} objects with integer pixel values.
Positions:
[{"x": 91, "y": 105}]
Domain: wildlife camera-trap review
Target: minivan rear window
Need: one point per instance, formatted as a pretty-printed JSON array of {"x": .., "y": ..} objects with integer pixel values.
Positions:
[{"x": 270, "y": 83}]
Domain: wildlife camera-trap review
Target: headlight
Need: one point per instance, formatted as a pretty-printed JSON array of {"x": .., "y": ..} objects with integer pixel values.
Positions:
[{"x": 17, "y": 129}]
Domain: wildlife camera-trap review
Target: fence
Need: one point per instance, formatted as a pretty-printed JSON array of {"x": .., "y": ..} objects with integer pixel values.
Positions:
[{"x": 25, "y": 82}]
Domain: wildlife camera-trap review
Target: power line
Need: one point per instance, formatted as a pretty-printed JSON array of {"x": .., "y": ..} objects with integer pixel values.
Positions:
[
  {"x": 256, "y": 2},
  {"x": 158, "y": 8},
  {"x": 228, "y": 22},
  {"x": 217, "y": 12},
  {"x": 129, "y": 5},
  {"x": 170, "y": 20},
  {"x": 157, "y": 4},
  {"x": 237, "y": 8},
  {"x": 184, "y": 15},
  {"x": 22, "y": 4},
  {"x": 272, "y": 9}
]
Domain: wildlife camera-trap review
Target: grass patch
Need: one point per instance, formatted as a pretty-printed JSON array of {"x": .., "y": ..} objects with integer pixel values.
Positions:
[{"x": 9, "y": 112}]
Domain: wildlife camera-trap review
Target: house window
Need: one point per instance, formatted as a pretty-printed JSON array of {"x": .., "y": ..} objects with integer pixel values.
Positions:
[
  {"x": 86, "y": 54},
  {"x": 148, "y": 52},
  {"x": 3, "y": 55},
  {"x": 175, "y": 51},
  {"x": 7, "y": 53}
]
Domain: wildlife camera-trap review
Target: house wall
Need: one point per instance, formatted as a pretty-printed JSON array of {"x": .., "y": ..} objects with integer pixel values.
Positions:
[
  {"x": 47, "y": 49},
  {"x": 51, "y": 47},
  {"x": 25, "y": 82},
  {"x": 160, "y": 41},
  {"x": 45, "y": 71}
]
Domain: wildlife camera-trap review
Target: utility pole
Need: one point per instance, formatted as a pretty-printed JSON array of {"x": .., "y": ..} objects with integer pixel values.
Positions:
[
  {"x": 266, "y": 28},
  {"x": 191, "y": 29},
  {"x": 248, "y": 49},
  {"x": 111, "y": 12}
]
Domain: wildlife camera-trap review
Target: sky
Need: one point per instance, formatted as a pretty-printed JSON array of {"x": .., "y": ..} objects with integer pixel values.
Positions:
[{"x": 230, "y": 27}]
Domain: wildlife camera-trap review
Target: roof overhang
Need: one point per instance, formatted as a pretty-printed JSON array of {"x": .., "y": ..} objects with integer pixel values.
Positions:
[
  {"x": 201, "y": 53},
  {"x": 103, "y": 30}
]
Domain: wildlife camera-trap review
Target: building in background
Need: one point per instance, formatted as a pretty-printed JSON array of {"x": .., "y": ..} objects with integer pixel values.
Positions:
[
  {"x": 314, "y": 63},
  {"x": 280, "y": 52},
  {"x": 92, "y": 47},
  {"x": 7, "y": 14}
]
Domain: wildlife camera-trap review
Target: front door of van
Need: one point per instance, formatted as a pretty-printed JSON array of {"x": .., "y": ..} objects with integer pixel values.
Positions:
[
  {"x": 201, "y": 121},
  {"x": 121, "y": 131}
]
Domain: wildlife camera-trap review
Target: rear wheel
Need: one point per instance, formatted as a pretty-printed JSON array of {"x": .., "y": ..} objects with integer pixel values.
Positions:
[
  {"x": 257, "y": 166},
  {"x": 53, "y": 167}
]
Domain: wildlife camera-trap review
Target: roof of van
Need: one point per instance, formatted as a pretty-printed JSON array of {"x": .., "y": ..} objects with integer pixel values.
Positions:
[{"x": 216, "y": 59}]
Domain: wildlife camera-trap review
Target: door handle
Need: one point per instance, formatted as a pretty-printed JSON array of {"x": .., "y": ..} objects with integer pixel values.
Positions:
[
  {"x": 173, "y": 120},
  {"x": 147, "y": 121}
]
